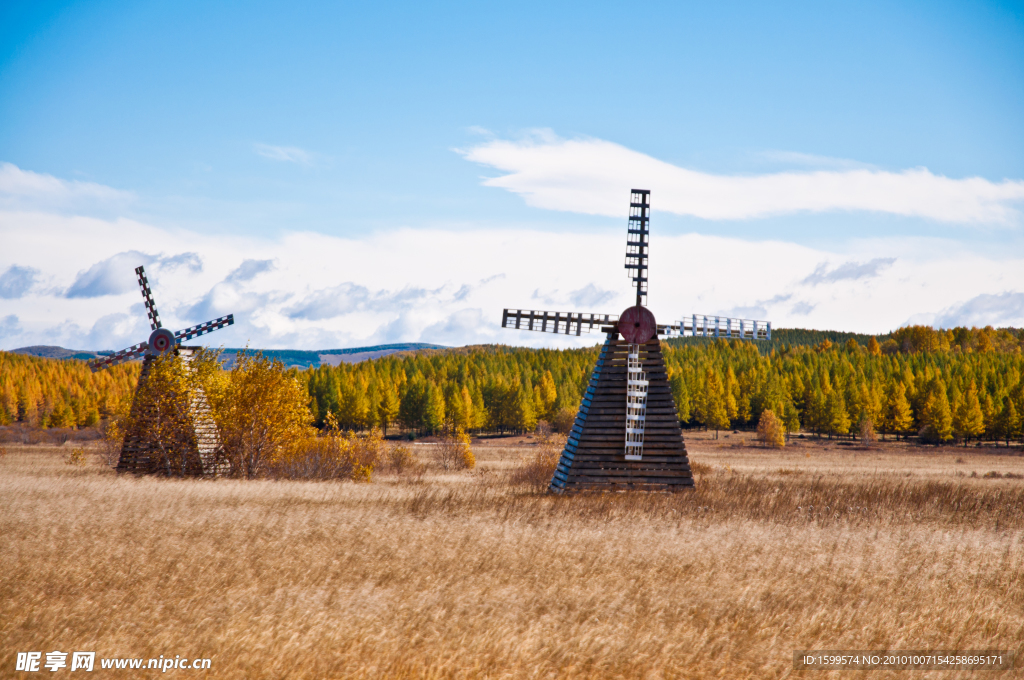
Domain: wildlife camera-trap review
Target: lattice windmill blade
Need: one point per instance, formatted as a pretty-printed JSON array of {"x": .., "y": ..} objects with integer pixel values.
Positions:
[
  {"x": 204, "y": 328},
  {"x": 703, "y": 326},
  {"x": 133, "y": 352},
  {"x": 147, "y": 297},
  {"x": 651, "y": 453},
  {"x": 637, "y": 243},
  {"x": 564, "y": 323}
]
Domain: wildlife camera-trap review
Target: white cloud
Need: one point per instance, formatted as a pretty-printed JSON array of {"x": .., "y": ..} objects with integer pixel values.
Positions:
[
  {"x": 802, "y": 308},
  {"x": 116, "y": 274},
  {"x": 10, "y": 331},
  {"x": 593, "y": 176},
  {"x": 848, "y": 271},
  {"x": 24, "y": 189},
  {"x": 289, "y": 154},
  {"x": 984, "y": 310},
  {"x": 291, "y": 291},
  {"x": 17, "y": 281},
  {"x": 250, "y": 269},
  {"x": 69, "y": 279}
]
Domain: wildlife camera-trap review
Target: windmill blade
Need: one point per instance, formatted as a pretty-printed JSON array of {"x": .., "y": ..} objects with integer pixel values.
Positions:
[
  {"x": 637, "y": 241},
  {"x": 147, "y": 297},
  {"x": 204, "y": 328},
  {"x": 133, "y": 352},
  {"x": 566, "y": 323},
  {"x": 702, "y": 326}
]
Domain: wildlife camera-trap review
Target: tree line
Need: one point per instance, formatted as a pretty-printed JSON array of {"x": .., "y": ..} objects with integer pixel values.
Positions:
[
  {"x": 61, "y": 393},
  {"x": 939, "y": 385},
  {"x": 962, "y": 383}
]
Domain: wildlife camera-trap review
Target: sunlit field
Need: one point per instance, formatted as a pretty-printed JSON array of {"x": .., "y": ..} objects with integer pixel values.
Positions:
[{"x": 466, "y": 575}]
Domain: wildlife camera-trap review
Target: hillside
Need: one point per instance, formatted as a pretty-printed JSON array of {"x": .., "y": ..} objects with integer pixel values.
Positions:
[
  {"x": 296, "y": 358},
  {"x": 293, "y": 358}
]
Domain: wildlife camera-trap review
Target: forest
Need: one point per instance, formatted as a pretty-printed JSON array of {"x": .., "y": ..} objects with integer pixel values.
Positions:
[{"x": 960, "y": 384}]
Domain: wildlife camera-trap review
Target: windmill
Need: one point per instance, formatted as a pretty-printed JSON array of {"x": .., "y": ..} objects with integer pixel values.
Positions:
[
  {"x": 142, "y": 450},
  {"x": 626, "y": 434}
]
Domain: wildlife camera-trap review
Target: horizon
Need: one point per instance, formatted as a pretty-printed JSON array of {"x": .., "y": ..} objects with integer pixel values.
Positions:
[
  {"x": 363, "y": 175},
  {"x": 419, "y": 346}
]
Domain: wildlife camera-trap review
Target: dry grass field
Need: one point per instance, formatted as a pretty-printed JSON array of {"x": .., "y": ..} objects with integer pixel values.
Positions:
[{"x": 435, "y": 575}]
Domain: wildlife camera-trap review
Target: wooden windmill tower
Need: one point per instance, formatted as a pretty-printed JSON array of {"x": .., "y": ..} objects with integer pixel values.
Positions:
[
  {"x": 196, "y": 451},
  {"x": 626, "y": 434}
]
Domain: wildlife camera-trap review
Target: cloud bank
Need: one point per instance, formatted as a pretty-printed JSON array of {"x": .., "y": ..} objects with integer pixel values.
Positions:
[
  {"x": 24, "y": 189},
  {"x": 291, "y": 292},
  {"x": 593, "y": 176},
  {"x": 69, "y": 280},
  {"x": 983, "y": 310}
]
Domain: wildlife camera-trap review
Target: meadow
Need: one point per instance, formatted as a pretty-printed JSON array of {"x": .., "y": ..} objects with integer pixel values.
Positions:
[{"x": 467, "y": 575}]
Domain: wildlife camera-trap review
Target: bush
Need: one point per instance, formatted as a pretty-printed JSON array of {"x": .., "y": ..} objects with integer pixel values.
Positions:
[
  {"x": 563, "y": 420},
  {"x": 770, "y": 431},
  {"x": 262, "y": 415},
  {"x": 539, "y": 467},
  {"x": 452, "y": 451},
  {"x": 75, "y": 457},
  {"x": 333, "y": 455},
  {"x": 400, "y": 459},
  {"x": 700, "y": 468}
]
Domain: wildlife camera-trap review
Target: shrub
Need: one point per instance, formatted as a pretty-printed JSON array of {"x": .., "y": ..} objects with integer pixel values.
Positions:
[
  {"x": 563, "y": 419},
  {"x": 332, "y": 455},
  {"x": 770, "y": 431},
  {"x": 262, "y": 414},
  {"x": 452, "y": 451},
  {"x": 75, "y": 457},
  {"x": 400, "y": 459},
  {"x": 539, "y": 467},
  {"x": 113, "y": 432},
  {"x": 700, "y": 468}
]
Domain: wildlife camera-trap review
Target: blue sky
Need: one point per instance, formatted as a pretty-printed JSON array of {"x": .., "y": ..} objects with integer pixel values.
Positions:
[{"x": 841, "y": 135}]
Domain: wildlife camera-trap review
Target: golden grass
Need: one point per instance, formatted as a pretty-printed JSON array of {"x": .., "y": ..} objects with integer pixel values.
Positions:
[{"x": 462, "y": 575}]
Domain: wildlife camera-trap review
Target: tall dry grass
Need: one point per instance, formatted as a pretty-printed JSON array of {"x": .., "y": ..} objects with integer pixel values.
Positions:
[{"x": 464, "y": 575}]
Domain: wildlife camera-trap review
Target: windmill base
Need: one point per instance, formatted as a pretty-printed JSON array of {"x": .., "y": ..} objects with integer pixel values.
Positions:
[
  {"x": 594, "y": 456},
  {"x": 196, "y": 453}
]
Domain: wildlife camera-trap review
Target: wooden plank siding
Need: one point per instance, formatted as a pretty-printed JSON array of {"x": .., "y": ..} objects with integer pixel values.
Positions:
[
  {"x": 203, "y": 452},
  {"x": 594, "y": 455}
]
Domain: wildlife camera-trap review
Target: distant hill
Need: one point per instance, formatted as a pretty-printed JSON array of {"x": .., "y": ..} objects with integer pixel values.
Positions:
[
  {"x": 781, "y": 338},
  {"x": 305, "y": 359},
  {"x": 289, "y": 357},
  {"x": 54, "y": 352}
]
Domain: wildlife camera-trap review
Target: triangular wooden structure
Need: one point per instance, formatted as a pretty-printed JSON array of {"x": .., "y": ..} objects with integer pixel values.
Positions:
[
  {"x": 594, "y": 457},
  {"x": 192, "y": 447},
  {"x": 626, "y": 434},
  {"x": 195, "y": 452}
]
